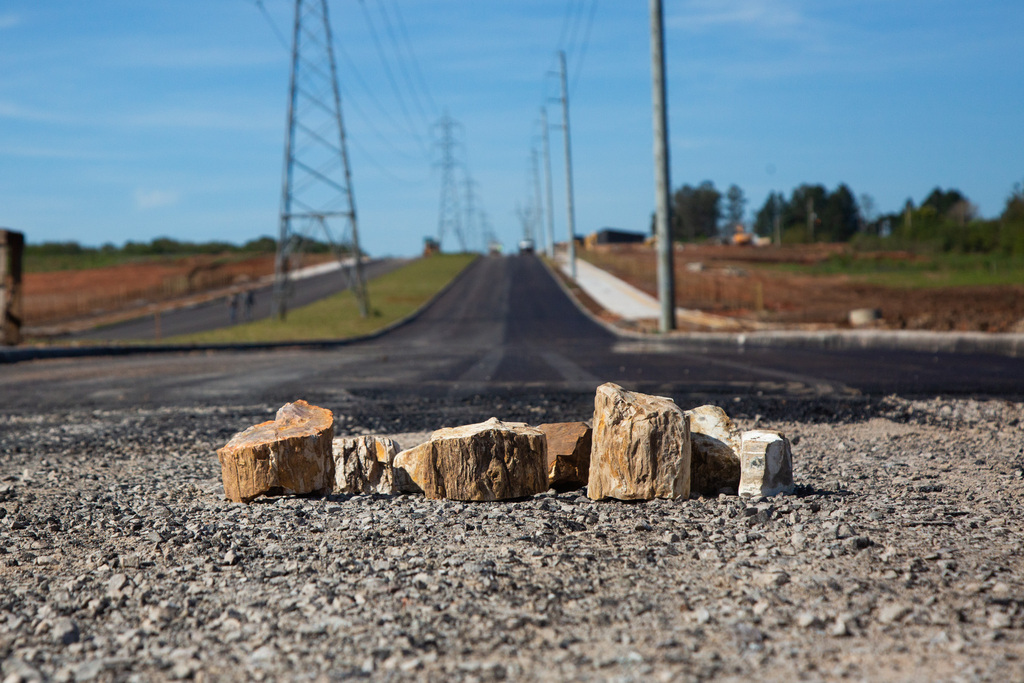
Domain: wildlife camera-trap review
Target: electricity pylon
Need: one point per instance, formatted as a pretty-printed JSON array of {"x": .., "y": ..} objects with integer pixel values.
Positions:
[
  {"x": 317, "y": 184},
  {"x": 449, "y": 215}
]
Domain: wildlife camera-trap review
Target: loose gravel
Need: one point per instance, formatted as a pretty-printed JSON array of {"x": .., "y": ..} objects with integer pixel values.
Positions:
[{"x": 898, "y": 558}]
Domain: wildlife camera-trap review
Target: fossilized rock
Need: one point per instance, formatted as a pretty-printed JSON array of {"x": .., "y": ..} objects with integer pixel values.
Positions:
[
  {"x": 569, "y": 446},
  {"x": 766, "y": 464},
  {"x": 641, "y": 447},
  {"x": 715, "y": 443},
  {"x": 291, "y": 454},
  {"x": 364, "y": 464},
  {"x": 490, "y": 460}
]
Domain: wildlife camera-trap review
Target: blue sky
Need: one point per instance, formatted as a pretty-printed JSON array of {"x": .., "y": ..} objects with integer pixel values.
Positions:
[{"x": 132, "y": 119}]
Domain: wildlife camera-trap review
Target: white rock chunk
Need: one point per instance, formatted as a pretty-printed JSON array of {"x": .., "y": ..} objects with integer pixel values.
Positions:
[
  {"x": 364, "y": 464},
  {"x": 766, "y": 464}
]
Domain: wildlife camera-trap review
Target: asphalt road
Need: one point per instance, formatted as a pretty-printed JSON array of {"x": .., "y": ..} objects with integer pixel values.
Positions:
[
  {"x": 215, "y": 314},
  {"x": 505, "y": 326}
]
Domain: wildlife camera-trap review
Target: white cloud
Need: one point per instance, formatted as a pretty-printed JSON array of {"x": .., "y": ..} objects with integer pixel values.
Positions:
[
  {"x": 9, "y": 21},
  {"x": 702, "y": 14},
  {"x": 9, "y": 110},
  {"x": 155, "y": 199}
]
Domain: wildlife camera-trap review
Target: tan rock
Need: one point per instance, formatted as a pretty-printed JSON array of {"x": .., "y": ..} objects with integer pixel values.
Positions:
[
  {"x": 364, "y": 464},
  {"x": 766, "y": 464},
  {"x": 715, "y": 442},
  {"x": 410, "y": 472},
  {"x": 490, "y": 460},
  {"x": 641, "y": 447},
  {"x": 291, "y": 454},
  {"x": 569, "y": 446}
]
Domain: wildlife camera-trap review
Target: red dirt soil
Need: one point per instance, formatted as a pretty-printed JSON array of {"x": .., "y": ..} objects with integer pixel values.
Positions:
[
  {"x": 68, "y": 294},
  {"x": 726, "y": 280}
]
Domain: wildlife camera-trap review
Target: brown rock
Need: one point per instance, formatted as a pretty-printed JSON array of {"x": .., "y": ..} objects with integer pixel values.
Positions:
[
  {"x": 364, "y": 464},
  {"x": 641, "y": 447},
  {"x": 568, "y": 454},
  {"x": 291, "y": 454},
  {"x": 715, "y": 442},
  {"x": 766, "y": 462},
  {"x": 490, "y": 460}
]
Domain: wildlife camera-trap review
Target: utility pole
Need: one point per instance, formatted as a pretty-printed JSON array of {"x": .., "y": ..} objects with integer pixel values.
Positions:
[
  {"x": 538, "y": 201},
  {"x": 666, "y": 274},
  {"x": 549, "y": 208},
  {"x": 570, "y": 210},
  {"x": 471, "y": 214},
  {"x": 449, "y": 215},
  {"x": 317, "y": 176}
]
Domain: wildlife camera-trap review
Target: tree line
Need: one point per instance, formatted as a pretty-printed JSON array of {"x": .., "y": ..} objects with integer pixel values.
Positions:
[{"x": 945, "y": 220}]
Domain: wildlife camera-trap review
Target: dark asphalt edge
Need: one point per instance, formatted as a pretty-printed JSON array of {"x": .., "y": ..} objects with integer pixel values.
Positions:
[
  {"x": 994, "y": 343},
  {"x": 8, "y": 356}
]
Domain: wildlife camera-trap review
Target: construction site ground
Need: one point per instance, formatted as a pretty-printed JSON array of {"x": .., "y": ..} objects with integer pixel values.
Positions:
[{"x": 750, "y": 286}]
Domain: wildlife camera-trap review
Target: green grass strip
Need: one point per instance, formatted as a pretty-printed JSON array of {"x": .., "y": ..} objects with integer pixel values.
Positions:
[{"x": 392, "y": 297}]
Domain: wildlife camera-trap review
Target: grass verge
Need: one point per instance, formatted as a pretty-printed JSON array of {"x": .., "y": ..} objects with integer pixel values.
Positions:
[
  {"x": 940, "y": 270},
  {"x": 392, "y": 297}
]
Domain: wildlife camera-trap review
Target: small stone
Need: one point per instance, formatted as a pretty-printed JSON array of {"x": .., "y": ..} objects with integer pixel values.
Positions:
[
  {"x": 715, "y": 445},
  {"x": 65, "y": 631},
  {"x": 364, "y": 464},
  {"x": 892, "y": 613},
  {"x": 641, "y": 447},
  {"x": 766, "y": 464},
  {"x": 488, "y": 461},
  {"x": 230, "y": 558},
  {"x": 747, "y": 636},
  {"x": 808, "y": 620},
  {"x": 569, "y": 446},
  {"x": 291, "y": 454},
  {"x": 771, "y": 579},
  {"x": 998, "y": 620},
  {"x": 842, "y": 626},
  {"x": 116, "y": 584}
]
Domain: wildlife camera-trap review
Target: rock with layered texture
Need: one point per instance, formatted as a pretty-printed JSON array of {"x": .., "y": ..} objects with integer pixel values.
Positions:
[
  {"x": 641, "y": 447},
  {"x": 569, "y": 445},
  {"x": 364, "y": 464},
  {"x": 715, "y": 443},
  {"x": 490, "y": 460},
  {"x": 290, "y": 454},
  {"x": 766, "y": 464}
]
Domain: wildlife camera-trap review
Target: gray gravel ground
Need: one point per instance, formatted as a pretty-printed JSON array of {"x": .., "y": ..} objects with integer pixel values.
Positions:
[{"x": 899, "y": 557}]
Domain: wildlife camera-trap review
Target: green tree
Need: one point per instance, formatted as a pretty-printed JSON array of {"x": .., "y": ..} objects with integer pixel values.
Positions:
[
  {"x": 795, "y": 214},
  {"x": 840, "y": 216},
  {"x": 695, "y": 211},
  {"x": 735, "y": 207},
  {"x": 764, "y": 219}
]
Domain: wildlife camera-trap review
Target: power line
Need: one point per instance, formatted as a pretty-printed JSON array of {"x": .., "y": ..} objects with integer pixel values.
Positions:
[
  {"x": 390, "y": 74},
  {"x": 273, "y": 25},
  {"x": 401, "y": 61},
  {"x": 415, "y": 62},
  {"x": 586, "y": 44}
]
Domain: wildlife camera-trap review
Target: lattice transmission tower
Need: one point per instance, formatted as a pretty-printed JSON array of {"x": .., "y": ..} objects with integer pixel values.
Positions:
[
  {"x": 317, "y": 195},
  {"x": 450, "y": 214}
]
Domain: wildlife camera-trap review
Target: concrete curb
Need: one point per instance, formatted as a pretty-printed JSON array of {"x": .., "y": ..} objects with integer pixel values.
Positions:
[
  {"x": 922, "y": 341},
  {"x": 41, "y": 353}
]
